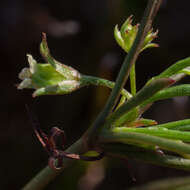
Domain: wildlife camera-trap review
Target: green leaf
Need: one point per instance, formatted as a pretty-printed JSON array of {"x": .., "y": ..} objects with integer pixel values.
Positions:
[
  {"x": 144, "y": 122},
  {"x": 127, "y": 118},
  {"x": 175, "y": 68},
  {"x": 145, "y": 93},
  {"x": 175, "y": 91},
  {"x": 162, "y": 132},
  {"x": 122, "y": 135},
  {"x": 175, "y": 71},
  {"x": 125, "y": 151},
  {"x": 182, "y": 125}
]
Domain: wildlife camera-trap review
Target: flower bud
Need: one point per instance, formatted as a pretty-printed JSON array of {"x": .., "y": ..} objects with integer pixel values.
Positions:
[
  {"x": 48, "y": 78},
  {"x": 127, "y": 34}
]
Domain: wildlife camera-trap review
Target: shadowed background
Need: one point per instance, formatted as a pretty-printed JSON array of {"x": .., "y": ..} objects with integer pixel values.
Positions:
[{"x": 80, "y": 34}]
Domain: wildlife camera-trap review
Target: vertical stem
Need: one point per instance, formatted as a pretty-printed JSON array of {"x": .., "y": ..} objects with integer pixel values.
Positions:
[
  {"x": 133, "y": 80},
  {"x": 149, "y": 14}
]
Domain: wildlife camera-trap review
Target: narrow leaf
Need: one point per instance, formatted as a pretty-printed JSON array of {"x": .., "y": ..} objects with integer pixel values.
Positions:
[
  {"x": 143, "y": 122},
  {"x": 121, "y": 135},
  {"x": 161, "y": 132},
  {"x": 175, "y": 71},
  {"x": 128, "y": 151},
  {"x": 175, "y": 91},
  {"x": 145, "y": 93},
  {"x": 176, "y": 125},
  {"x": 175, "y": 68}
]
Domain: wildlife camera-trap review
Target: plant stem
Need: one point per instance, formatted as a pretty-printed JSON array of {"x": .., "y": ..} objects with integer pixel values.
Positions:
[
  {"x": 133, "y": 80},
  {"x": 90, "y": 80},
  {"x": 149, "y": 14}
]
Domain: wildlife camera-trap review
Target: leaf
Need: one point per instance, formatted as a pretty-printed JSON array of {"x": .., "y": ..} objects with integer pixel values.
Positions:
[
  {"x": 175, "y": 71},
  {"x": 143, "y": 122},
  {"x": 145, "y": 93},
  {"x": 175, "y": 68},
  {"x": 123, "y": 135},
  {"x": 162, "y": 132},
  {"x": 127, "y": 118},
  {"x": 175, "y": 91},
  {"x": 182, "y": 125}
]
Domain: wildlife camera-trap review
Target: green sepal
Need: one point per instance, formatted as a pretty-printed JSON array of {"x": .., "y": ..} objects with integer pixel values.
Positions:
[
  {"x": 118, "y": 37},
  {"x": 64, "y": 87},
  {"x": 68, "y": 72}
]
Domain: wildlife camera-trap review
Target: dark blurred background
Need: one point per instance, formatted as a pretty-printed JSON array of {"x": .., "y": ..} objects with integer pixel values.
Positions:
[{"x": 80, "y": 34}]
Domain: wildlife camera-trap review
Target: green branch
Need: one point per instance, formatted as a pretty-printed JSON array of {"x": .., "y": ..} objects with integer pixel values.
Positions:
[
  {"x": 133, "y": 80},
  {"x": 90, "y": 80}
]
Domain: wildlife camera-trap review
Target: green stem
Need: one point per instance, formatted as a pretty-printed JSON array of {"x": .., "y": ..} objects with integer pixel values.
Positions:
[
  {"x": 128, "y": 151},
  {"x": 133, "y": 80},
  {"x": 120, "y": 136},
  {"x": 44, "y": 177},
  {"x": 149, "y": 14},
  {"x": 90, "y": 80}
]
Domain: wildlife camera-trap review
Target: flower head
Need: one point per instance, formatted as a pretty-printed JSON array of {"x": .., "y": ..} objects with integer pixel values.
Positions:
[
  {"x": 127, "y": 34},
  {"x": 52, "y": 77}
]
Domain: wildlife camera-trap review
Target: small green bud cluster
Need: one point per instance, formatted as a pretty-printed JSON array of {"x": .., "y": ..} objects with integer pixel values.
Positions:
[{"x": 127, "y": 34}]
